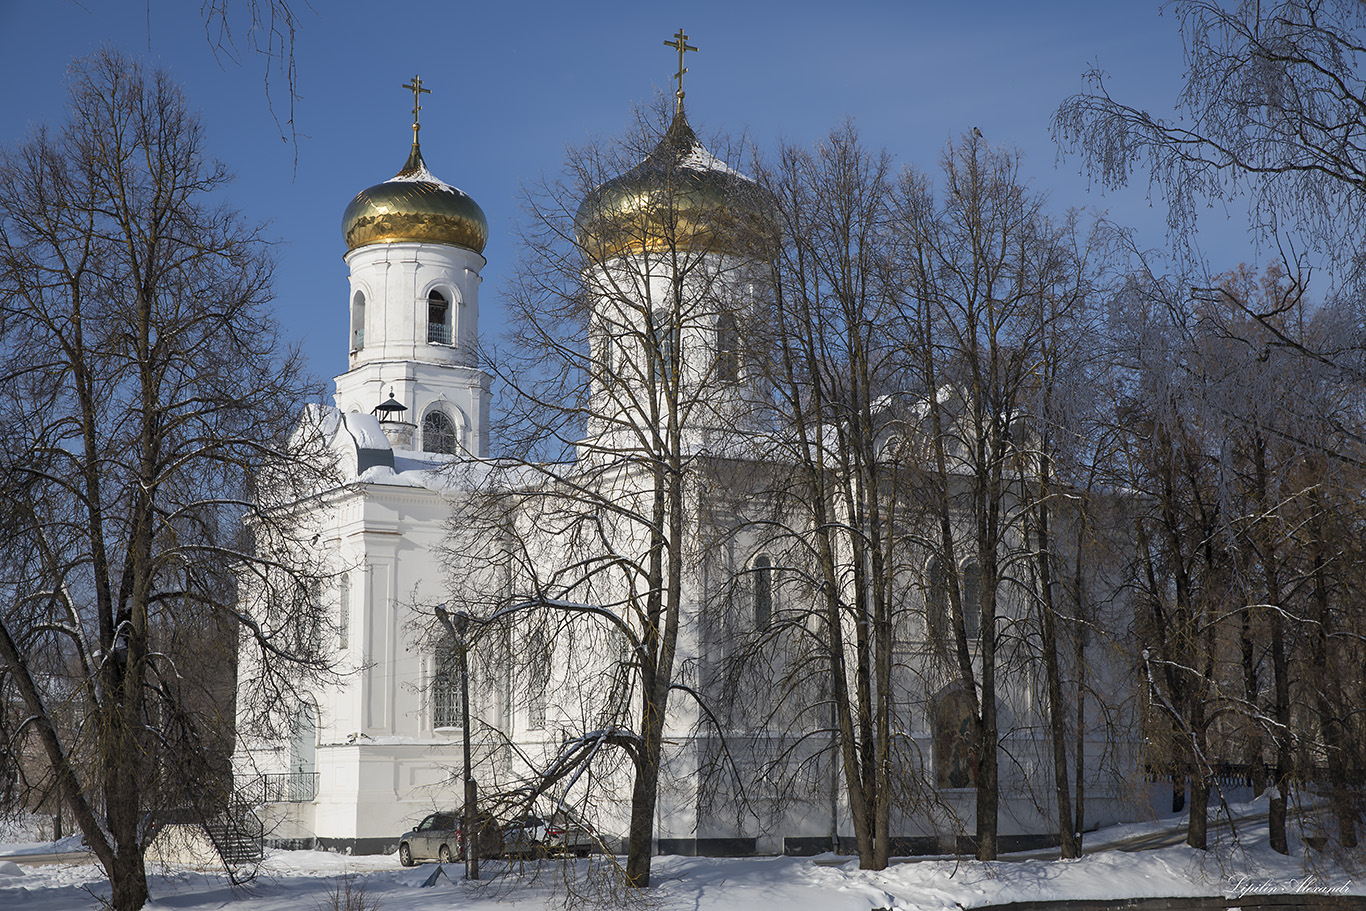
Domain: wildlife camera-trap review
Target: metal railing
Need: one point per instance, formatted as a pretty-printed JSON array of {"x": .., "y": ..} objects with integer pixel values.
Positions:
[
  {"x": 438, "y": 333},
  {"x": 282, "y": 787}
]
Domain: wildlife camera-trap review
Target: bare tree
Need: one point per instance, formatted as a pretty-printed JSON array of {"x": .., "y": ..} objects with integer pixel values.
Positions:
[
  {"x": 150, "y": 407},
  {"x": 869, "y": 468},
  {"x": 267, "y": 29},
  {"x": 1271, "y": 111},
  {"x": 991, "y": 283},
  {"x": 610, "y": 418},
  {"x": 1181, "y": 574},
  {"x": 824, "y": 516},
  {"x": 1241, "y": 452}
]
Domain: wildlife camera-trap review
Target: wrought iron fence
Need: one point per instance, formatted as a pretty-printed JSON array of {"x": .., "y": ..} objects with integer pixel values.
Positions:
[{"x": 283, "y": 787}]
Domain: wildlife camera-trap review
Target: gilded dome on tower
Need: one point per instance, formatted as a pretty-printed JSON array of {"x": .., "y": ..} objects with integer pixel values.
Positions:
[
  {"x": 680, "y": 197},
  {"x": 415, "y": 205}
]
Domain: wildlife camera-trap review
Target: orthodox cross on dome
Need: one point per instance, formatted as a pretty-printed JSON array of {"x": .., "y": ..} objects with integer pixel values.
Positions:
[
  {"x": 416, "y": 88},
  {"x": 681, "y": 43}
]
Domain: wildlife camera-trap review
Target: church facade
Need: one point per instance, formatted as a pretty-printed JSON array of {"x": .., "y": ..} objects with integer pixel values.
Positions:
[{"x": 370, "y": 755}]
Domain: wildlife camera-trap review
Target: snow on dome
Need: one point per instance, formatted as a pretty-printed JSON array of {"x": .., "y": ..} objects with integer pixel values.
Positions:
[
  {"x": 423, "y": 175},
  {"x": 698, "y": 158}
]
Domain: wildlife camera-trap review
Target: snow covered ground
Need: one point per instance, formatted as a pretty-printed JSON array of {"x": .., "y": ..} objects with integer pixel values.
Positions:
[{"x": 305, "y": 879}]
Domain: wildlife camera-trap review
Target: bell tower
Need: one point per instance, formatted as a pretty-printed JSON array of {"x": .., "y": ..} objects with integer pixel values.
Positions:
[{"x": 415, "y": 250}]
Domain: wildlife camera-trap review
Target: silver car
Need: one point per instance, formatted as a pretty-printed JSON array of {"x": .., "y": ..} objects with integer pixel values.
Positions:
[
  {"x": 440, "y": 837},
  {"x": 558, "y": 833}
]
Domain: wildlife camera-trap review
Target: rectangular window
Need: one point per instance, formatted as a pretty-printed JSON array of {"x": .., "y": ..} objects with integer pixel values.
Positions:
[
  {"x": 538, "y": 679},
  {"x": 446, "y": 686},
  {"x": 344, "y": 613}
]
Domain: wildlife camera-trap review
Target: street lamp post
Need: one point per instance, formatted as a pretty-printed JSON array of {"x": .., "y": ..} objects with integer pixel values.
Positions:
[
  {"x": 472, "y": 828},
  {"x": 458, "y": 626}
]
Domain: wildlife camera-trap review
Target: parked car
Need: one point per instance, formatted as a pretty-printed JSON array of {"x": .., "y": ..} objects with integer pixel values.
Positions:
[
  {"x": 556, "y": 833},
  {"x": 440, "y": 837}
]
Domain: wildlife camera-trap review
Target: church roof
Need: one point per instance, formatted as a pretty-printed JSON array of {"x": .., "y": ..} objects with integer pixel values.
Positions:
[
  {"x": 415, "y": 205},
  {"x": 680, "y": 197}
]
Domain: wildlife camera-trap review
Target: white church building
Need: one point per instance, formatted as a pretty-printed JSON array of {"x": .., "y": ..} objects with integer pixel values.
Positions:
[{"x": 372, "y": 754}]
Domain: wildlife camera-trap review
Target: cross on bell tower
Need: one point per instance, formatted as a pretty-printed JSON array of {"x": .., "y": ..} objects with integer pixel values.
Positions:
[{"x": 680, "y": 42}]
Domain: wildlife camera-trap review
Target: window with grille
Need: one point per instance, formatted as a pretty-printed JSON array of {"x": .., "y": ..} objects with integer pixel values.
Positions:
[
  {"x": 446, "y": 707},
  {"x": 438, "y": 433},
  {"x": 538, "y": 681},
  {"x": 438, "y": 319}
]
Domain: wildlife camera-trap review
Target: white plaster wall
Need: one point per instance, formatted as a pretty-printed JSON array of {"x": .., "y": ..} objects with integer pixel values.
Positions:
[
  {"x": 626, "y": 292},
  {"x": 395, "y": 280}
]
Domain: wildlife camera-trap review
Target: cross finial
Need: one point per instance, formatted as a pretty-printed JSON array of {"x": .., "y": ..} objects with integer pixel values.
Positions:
[
  {"x": 416, "y": 88},
  {"x": 681, "y": 43}
]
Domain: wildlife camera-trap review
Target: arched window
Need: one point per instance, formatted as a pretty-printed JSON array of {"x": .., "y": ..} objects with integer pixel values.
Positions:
[
  {"x": 972, "y": 601},
  {"x": 605, "y": 347},
  {"x": 937, "y": 603},
  {"x": 303, "y": 739},
  {"x": 358, "y": 321},
  {"x": 438, "y": 319},
  {"x": 939, "y": 609},
  {"x": 538, "y": 682},
  {"x": 438, "y": 433},
  {"x": 666, "y": 341},
  {"x": 762, "y": 572},
  {"x": 344, "y": 612}
]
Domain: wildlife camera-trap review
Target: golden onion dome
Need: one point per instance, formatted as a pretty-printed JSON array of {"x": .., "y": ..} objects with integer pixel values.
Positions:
[
  {"x": 415, "y": 205},
  {"x": 681, "y": 197}
]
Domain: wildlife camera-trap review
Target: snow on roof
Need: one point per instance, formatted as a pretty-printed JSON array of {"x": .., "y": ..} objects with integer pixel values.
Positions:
[{"x": 365, "y": 431}]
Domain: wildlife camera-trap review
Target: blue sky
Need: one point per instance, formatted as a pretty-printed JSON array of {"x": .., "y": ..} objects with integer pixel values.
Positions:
[{"x": 515, "y": 83}]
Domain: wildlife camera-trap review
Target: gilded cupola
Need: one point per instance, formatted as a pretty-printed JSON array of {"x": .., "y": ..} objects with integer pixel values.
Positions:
[
  {"x": 415, "y": 205},
  {"x": 680, "y": 197}
]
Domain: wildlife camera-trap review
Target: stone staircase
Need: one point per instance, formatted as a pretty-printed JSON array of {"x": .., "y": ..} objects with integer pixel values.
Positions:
[{"x": 237, "y": 835}]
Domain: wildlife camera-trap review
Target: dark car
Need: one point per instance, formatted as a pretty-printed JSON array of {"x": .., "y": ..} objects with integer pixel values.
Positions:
[
  {"x": 556, "y": 833},
  {"x": 440, "y": 837}
]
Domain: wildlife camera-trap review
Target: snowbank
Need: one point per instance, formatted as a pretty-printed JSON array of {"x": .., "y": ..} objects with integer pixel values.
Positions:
[{"x": 303, "y": 879}]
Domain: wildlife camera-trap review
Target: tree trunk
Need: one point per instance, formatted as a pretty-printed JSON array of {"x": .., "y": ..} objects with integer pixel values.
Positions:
[
  {"x": 1281, "y": 733},
  {"x": 988, "y": 782},
  {"x": 128, "y": 880},
  {"x": 644, "y": 795},
  {"x": 1057, "y": 718},
  {"x": 1276, "y": 817},
  {"x": 1328, "y": 697},
  {"x": 1197, "y": 830},
  {"x": 1079, "y": 659}
]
